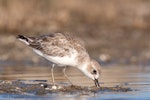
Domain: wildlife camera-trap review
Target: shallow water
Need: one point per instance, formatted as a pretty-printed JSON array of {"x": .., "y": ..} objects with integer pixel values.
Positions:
[{"x": 134, "y": 77}]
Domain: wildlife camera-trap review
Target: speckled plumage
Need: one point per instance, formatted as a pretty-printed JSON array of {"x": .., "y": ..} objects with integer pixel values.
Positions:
[
  {"x": 59, "y": 44},
  {"x": 63, "y": 49}
]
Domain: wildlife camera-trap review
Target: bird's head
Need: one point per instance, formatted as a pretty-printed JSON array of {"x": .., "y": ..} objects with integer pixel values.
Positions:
[{"x": 93, "y": 71}]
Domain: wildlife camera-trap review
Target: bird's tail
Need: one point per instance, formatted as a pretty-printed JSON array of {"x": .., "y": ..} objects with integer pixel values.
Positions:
[{"x": 24, "y": 39}]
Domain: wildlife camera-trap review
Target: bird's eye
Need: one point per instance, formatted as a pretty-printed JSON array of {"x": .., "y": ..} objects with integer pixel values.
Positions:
[{"x": 94, "y": 72}]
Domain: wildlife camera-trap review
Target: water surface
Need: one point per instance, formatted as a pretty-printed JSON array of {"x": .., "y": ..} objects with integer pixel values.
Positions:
[{"x": 134, "y": 77}]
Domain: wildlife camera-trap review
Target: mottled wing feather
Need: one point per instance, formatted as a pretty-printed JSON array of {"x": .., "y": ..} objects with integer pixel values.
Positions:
[{"x": 57, "y": 44}]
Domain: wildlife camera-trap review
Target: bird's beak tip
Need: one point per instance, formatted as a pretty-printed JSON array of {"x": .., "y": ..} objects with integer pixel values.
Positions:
[{"x": 97, "y": 83}]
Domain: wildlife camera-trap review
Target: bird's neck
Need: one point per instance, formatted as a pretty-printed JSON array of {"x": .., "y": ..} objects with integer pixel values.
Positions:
[
  {"x": 83, "y": 66},
  {"x": 83, "y": 62}
]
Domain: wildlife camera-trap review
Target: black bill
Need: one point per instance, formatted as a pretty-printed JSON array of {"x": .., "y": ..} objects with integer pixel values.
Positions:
[{"x": 97, "y": 83}]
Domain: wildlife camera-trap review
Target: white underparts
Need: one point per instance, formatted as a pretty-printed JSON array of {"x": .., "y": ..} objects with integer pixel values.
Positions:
[
  {"x": 24, "y": 41},
  {"x": 60, "y": 61}
]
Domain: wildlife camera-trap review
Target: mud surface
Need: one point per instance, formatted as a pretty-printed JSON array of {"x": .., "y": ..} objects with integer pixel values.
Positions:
[
  {"x": 19, "y": 87},
  {"x": 127, "y": 82},
  {"x": 115, "y": 33}
]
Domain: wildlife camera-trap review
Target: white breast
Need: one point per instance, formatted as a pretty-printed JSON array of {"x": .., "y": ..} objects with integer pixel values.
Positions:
[{"x": 60, "y": 61}]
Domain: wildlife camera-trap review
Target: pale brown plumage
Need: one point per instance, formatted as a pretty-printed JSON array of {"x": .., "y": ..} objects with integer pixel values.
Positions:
[
  {"x": 58, "y": 44},
  {"x": 64, "y": 50}
]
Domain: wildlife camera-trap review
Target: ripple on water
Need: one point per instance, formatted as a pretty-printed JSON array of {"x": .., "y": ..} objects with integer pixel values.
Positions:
[{"x": 116, "y": 84}]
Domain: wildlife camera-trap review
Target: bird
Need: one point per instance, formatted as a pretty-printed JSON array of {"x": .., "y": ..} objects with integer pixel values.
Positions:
[{"x": 63, "y": 49}]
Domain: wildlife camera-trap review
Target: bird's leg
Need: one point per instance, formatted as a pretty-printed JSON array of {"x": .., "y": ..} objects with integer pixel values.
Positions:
[
  {"x": 64, "y": 71},
  {"x": 53, "y": 65}
]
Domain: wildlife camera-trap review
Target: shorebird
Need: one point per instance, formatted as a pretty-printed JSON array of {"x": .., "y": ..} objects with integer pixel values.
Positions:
[{"x": 63, "y": 49}]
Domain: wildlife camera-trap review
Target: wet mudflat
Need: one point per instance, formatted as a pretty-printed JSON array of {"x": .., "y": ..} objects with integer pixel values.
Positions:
[
  {"x": 22, "y": 72},
  {"x": 114, "y": 32},
  {"x": 127, "y": 82}
]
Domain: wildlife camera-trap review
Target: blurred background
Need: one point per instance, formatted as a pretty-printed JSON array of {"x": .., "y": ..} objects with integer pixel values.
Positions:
[{"x": 114, "y": 32}]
